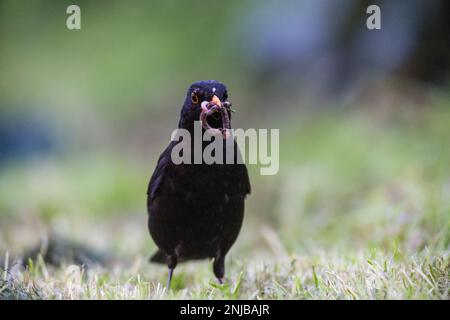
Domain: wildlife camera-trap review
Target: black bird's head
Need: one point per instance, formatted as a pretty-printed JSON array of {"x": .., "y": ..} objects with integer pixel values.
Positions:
[{"x": 207, "y": 101}]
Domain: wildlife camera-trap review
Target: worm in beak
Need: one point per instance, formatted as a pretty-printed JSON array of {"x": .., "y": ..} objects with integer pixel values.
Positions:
[{"x": 212, "y": 108}]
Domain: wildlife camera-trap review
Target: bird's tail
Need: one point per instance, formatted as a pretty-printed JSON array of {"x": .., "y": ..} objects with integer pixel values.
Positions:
[{"x": 158, "y": 257}]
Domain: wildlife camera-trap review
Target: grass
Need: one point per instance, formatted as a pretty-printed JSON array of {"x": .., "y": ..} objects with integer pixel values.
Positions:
[
  {"x": 324, "y": 275},
  {"x": 359, "y": 210}
]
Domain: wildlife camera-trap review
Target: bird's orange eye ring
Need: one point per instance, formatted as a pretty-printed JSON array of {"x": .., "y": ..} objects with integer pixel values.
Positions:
[{"x": 194, "y": 98}]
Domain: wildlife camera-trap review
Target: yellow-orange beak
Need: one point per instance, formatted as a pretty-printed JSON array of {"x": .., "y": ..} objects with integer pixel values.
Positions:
[{"x": 216, "y": 101}]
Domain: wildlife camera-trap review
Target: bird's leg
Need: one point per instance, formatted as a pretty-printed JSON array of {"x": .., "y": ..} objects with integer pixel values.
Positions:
[
  {"x": 169, "y": 279},
  {"x": 171, "y": 263},
  {"x": 219, "y": 268}
]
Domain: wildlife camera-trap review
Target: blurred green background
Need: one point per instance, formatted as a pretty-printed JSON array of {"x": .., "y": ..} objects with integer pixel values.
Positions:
[{"x": 364, "y": 119}]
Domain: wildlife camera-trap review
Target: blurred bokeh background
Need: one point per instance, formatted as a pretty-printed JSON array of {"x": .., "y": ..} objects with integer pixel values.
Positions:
[{"x": 364, "y": 119}]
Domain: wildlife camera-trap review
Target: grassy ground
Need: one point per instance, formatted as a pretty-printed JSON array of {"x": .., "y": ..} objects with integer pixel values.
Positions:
[
  {"x": 359, "y": 210},
  {"x": 323, "y": 275}
]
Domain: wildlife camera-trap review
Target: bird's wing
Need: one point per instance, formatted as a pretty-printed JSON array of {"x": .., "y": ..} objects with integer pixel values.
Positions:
[
  {"x": 158, "y": 174},
  {"x": 247, "y": 186},
  {"x": 243, "y": 186},
  {"x": 164, "y": 161}
]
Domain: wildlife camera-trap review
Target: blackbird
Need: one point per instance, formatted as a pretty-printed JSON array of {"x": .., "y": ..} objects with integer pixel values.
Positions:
[{"x": 195, "y": 210}]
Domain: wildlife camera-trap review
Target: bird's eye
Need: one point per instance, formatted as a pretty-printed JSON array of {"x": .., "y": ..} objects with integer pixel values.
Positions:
[{"x": 195, "y": 98}]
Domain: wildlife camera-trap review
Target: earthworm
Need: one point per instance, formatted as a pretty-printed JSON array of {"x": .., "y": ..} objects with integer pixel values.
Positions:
[{"x": 225, "y": 119}]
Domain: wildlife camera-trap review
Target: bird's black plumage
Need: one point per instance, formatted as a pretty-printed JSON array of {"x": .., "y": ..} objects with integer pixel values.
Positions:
[{"x": 195, "y": 211}]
